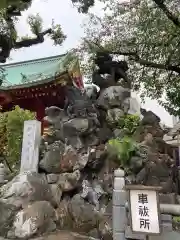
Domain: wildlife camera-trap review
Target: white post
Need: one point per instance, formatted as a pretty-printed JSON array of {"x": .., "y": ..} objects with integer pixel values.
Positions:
[
  {"x": 30, "y": 146},
  {"x": 119, "y": 209}
]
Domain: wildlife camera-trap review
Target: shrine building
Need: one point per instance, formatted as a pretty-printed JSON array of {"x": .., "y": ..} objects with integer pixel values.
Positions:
[{"x": 39, "y": 83}]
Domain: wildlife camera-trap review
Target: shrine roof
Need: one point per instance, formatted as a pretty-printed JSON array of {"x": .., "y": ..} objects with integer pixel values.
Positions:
[{"x": 32, "y": 72}]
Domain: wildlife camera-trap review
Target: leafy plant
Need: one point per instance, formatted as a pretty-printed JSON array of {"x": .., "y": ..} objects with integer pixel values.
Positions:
[
  {"x": 3, "y": 134},
  {"x": 176, "y": 219},
  {"x": 129, "y": 122},
  {"x": 11, "y": 133},
  {"x": 122, "y": 150}
]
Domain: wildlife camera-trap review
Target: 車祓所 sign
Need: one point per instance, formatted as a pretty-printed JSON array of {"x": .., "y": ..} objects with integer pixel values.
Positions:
[{"x": 144, "y": 211}]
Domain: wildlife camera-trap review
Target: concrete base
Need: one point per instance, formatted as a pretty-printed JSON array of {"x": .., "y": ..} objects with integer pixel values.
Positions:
[{"x": 167, "y": 236}]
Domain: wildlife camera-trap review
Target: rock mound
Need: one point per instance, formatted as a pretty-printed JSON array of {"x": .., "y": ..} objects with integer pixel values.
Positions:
[{"x": 73, "y": 189}]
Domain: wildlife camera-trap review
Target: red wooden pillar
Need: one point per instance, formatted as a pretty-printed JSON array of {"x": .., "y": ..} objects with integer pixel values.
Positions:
[{"x": 40, "y": 112}]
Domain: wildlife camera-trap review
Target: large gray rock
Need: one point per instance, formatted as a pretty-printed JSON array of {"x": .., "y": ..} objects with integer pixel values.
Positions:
[
  {"x": 72, "y": 160},
  {"x": 53, "y": 135},
  {"x": 84, "y": 215},
  {"x": 37, "y": 218},
  {"x": 69, "y": 159},
  {"x": 75, "y": 141},
  {"x": 56, "y": 193},
  {"x": 105, "y": 225},
  {"x": 24, "y": 188},
  {"x": 64, "y": 220},
  {"x": 92, "y": 193},
  {"x": 51, "y": 160},
  {"x": 77, "y": 214},
  {"x": 52, "y": 178},
  {"x": 55, "y": 116},
  {"x": 92, "y": 139},
  {"x": 97, "y": 157},
  {"x": 69, "y": 181},
  {"x": 126, "y": 105},
  {"x": 131, "y": 106},
  {"x": 119, "y": 133},
  {"x": 7, "y": 212},
  {"x": 80, "y": 126},
  {"x": 113, "y": 97},
  {"x": 104, "y": 134},
  {"x": 105, "y": 228},
  {"x": 114, "y": 115},
  {"x": 149, "y": 118}
]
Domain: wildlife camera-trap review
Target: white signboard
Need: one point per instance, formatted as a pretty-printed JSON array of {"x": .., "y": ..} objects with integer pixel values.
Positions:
[
  {"x": 30, "y": 146},
  {"x": 144, "y": 211}
]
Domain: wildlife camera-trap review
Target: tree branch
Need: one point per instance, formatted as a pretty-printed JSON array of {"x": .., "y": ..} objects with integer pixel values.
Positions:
[
  {"x": 6, "y": 47},
  {"x": 33, "y": 41},
  {"x": 136, "y": 58},
  {"x": 146, "y": 63},
  {"x": 168, "y": 13},
  {"x": 158, "y": 65},
  {"x": 7, "y": 43}
]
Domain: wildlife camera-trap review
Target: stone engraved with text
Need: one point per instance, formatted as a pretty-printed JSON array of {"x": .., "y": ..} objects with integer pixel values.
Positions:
[{"x": 30, "y": 146}]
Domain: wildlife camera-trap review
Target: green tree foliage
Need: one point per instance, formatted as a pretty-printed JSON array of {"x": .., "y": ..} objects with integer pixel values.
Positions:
[
  {"x": 83, "y": 5},
  {"x": 3, "y": 134},
  {"x": 7, "y": 3},
  {"x": 147, "y": 34},
  {"x": 11, "y": 133},
  {"x": 10, "y": 13}
]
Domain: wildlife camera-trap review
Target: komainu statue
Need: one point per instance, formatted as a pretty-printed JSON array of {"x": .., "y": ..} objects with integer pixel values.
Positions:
[{"x": 106, "y": 65}]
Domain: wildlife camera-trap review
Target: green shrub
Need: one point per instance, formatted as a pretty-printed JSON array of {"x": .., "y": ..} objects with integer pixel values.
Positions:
[
  {"x": 129, "y": 123},
  {"x": 122, "y": 150},
  {"x": 176, "y": 219},
  {"x": 11, "y": 133}
]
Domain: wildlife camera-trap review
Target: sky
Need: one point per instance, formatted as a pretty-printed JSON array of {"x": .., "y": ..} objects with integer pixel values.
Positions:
[{"x": 63, "y": 12}]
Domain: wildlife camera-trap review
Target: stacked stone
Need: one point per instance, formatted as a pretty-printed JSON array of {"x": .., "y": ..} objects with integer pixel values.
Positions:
[{"x": 73, "y": 189}]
